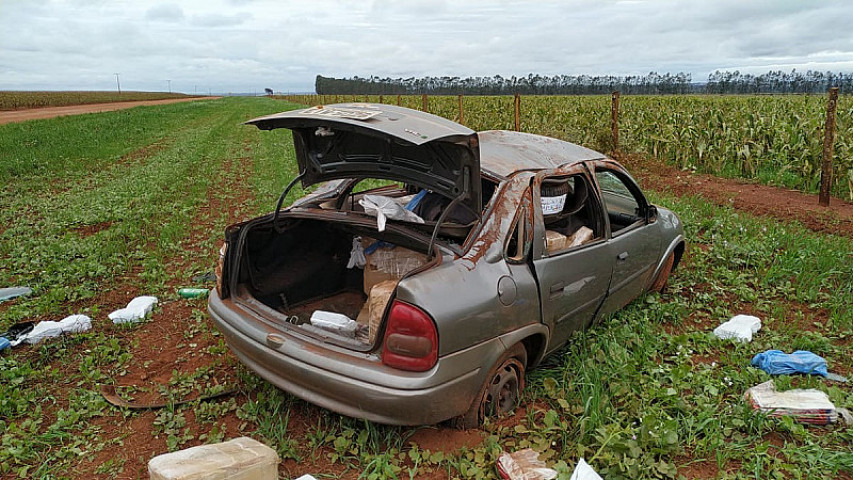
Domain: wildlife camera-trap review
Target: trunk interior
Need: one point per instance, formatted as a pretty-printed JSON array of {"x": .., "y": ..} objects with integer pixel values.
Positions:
[{"x": 288, "y": 276}]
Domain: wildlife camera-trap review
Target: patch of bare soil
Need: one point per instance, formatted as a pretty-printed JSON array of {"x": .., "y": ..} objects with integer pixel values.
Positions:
[
  {"x": 51, "y": 112},
  {"x": 165, "y": 348},
  {"x": 446, "y": 439},
  {"x": 763, "y": 200},
  {"x": 88, "y": 230}
]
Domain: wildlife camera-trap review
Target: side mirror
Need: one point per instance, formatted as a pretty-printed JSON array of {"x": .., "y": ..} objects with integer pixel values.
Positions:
[{"x": 651, "y": 214}]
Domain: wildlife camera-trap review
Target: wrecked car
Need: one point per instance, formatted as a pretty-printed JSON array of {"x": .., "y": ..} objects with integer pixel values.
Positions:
[{"x": 432, "y": 265}]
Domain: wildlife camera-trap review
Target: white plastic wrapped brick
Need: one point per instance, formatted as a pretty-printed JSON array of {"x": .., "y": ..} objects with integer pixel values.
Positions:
[
  {"x": 740, "y": 327},
  {"x": 334, "y": 322},
  {"x": 49, "y": 329},
  {"x": 238, "y": 459},
  {"x": 136, "y": 310}
]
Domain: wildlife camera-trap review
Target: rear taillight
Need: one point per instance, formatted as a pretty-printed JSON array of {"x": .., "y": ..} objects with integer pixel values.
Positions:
[
  {"x": 411, "y": 340},
  {"x": 220, "y": 264}
]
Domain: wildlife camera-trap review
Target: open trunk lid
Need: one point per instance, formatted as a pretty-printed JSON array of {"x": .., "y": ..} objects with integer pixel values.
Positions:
[{"x": 360, "y": 140}]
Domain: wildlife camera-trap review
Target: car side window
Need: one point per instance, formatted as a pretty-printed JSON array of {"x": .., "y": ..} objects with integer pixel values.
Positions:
[
  {"x": 515, "y": 244},
  {"x": 520, "y": 238},
  {"x": 624, "y": 206},
  {"x": 568, "y": 212}
]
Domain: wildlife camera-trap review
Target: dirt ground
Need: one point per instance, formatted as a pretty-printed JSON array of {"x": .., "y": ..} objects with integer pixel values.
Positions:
[
  {"x": 50, "y": 112},
  {"x": 762, "y": 200}
]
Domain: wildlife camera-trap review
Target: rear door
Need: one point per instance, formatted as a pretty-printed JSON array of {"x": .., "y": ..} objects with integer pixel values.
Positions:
[{"x": 572, "y": 280}]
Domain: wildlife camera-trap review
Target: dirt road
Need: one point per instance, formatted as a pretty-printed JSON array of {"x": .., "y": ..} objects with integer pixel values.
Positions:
[{"x": 50, "y": 112}]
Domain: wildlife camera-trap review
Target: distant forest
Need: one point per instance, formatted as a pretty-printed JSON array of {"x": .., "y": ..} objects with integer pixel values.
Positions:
[{"x": 653, "y": 83}]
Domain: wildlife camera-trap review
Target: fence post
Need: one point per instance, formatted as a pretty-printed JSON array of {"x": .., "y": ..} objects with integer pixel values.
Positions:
[
  {"x": 614, "y": 119},
  {"x": 828, "y": 146},
  {"x": 517, "y": 112},
  {"x": 461, "y": 112},
  {"x": 380, "y": 99},
  {"x": 399, "y": 101},
  {"x": 424, "y": 105}
]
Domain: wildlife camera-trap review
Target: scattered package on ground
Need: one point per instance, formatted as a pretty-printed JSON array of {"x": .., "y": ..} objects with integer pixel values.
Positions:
[
  {"x": 387, "y": 207},
  {"x": 740, "y": 327},
  {"x": 14, "y": 292},
  {"x": 777, "y": 362},
  {"x": 4, "y": 343},
  {"x": 836, "y": 377},
  {"x": 238, "y": 459},
  {"x": 584, "y": 472},
  {"x": 136, "y": 310},
  {"x": 49, "y": 329},
  {"x": 334, "y": 322},
  {"x": 804, "y": 405},
  {"x": 524, "y": 465},
  {"x": 18, "y": 330}
]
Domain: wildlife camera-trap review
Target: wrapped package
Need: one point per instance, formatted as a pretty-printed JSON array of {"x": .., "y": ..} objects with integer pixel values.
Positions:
[
  {"x": 334, "y": 322},
  {"x": 804, "y": 405},
  {"x": 740, "y": 327},
  {"x": 378, "y": 299}
]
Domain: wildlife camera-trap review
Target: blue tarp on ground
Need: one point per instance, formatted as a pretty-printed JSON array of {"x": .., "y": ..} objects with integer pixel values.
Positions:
[{"x": 777, "y": 362}]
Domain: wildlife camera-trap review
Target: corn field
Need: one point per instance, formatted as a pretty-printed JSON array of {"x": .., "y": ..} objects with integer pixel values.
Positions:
[
  {"x": 10, "y": 100},
  {"x": 776, "y": 140}
]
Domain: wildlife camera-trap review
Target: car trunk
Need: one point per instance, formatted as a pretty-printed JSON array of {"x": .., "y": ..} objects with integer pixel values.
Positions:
[
  {"x": 290, "y": 273},
  {"x": 293, "y": 264}
]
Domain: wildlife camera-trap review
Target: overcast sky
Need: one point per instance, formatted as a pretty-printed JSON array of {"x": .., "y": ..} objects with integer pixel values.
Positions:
[{"x": 248, "y": 45}]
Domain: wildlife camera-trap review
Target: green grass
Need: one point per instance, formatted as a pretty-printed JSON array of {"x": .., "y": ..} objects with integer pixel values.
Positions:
[{"x": 639, "y": 395}]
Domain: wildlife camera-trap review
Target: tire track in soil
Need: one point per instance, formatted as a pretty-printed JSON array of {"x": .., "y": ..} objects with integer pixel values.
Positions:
[
  {"x": 12, "y": 116},
  {"x": 159, "y": 347}
]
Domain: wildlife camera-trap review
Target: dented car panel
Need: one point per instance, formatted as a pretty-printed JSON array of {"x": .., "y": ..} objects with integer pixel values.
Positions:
[{"x": 561, "y": 236}]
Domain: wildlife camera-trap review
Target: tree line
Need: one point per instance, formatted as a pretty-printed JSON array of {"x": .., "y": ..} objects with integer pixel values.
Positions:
[{"x": 728, "y": 82}]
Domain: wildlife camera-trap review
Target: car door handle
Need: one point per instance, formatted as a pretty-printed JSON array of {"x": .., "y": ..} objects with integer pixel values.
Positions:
[
  {"x": 622, "y": 256},
  {"x": 557, "y": 289}
]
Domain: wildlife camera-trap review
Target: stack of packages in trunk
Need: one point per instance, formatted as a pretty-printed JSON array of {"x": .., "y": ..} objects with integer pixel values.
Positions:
[{"x": 384, "y": 268}]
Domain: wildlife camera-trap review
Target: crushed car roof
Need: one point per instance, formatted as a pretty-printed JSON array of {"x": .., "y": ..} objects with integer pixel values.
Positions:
[
  {"x": 411, "y": 125},
  {"x": 505, "y": 152}
]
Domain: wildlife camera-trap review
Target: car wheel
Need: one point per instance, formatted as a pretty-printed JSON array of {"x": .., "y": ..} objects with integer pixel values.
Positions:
[
  {"x": 502, "y": 390},
  {"x": 660, "y": 282}
]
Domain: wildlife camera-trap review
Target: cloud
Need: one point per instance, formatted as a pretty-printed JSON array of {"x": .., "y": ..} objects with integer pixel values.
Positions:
[
  {"x": 217, "y": 20},
  {"x": 235, "y": 45},
  {"x": 165, "y": 12}
]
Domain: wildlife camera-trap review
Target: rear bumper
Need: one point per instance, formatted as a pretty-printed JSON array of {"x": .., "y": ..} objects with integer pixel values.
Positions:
[{"x": 352, "y": 383}]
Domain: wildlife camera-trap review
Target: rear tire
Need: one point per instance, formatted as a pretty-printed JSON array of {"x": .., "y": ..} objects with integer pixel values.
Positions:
[
  {"x": 663, "y": 276},
  {"x": 501, "y": 391}
]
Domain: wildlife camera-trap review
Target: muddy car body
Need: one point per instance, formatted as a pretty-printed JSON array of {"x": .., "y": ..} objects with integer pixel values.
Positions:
[{"x": 524, "y": 239}]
